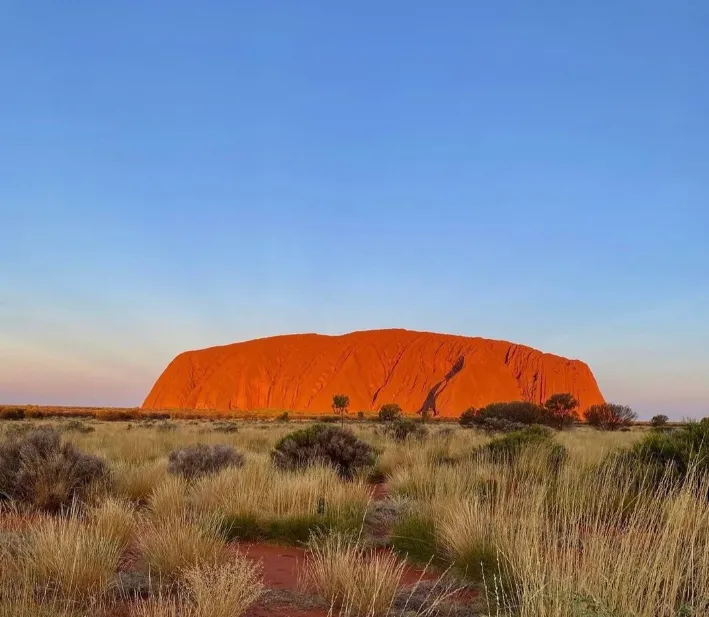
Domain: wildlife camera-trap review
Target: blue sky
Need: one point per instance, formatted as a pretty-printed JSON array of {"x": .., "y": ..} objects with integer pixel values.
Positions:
[{"x": 175, "y": 175}]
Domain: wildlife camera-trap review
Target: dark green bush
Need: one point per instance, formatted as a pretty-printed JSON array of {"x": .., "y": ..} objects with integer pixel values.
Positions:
[
  {"x": 402, "y": 429},
  {"x": 414, "y": 537},
  {"x": 677, "y": 451},
  {"x": 44, "y": 472},
  {"x": 468, "y": 419},
  {"x": 323, "y": 444},
  {"x": 519, "y": 412},
  {"x": 284, "y": 417},
  {"x": 200, "y": 459},
  {"x": 389, "y": 412},
  {"x": 659, "y": 421}
]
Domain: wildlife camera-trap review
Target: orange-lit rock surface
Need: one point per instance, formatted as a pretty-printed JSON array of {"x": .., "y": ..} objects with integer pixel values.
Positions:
[{"x": 417, "y": 370}]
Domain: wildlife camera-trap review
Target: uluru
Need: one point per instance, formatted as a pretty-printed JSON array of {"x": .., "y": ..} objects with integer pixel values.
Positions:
[{"x": 418, "y": 370}]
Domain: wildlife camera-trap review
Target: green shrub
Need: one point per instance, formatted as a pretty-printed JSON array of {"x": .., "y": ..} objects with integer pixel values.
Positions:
[
  {"x": 468, "y": 419},
  {"x": 200, "y": 459},
  {"x": 677, "y": 451},
  {"x": 521, "y": 412},
  {"x": 389, "y": 412},
  {"x": 321, "y": 443},
  {"x": 44, "y": 472},
  {"x": 508, "y": 447},
  {"x": 659, "y": 421},
  {"x": 610, "y": 417},
  {"x": 402, "y": 429},
  {"x": 492, "y": 424},
  {"x": 284, "y": 417},
  {"x": 414, "y": 537}
]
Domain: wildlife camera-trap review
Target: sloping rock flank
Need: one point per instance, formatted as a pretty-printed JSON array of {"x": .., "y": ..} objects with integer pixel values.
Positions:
[{"x": 418, "y": 370}]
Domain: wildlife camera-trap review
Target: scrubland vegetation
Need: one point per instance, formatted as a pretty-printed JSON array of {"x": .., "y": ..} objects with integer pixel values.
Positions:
[{"x": 501, "y": 516}]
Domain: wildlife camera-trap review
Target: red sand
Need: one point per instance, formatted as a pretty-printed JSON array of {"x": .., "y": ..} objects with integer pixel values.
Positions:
[
  {"x": 282, "y": 565},
  {"x": 417, "y": 370}
]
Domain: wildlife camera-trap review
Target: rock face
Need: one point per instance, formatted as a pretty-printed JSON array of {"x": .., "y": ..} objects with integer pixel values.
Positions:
[{"x": 418, "y": 370}]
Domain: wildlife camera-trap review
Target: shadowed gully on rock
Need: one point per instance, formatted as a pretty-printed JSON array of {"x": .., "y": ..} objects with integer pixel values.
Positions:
[{"x": 418, "y": 370}]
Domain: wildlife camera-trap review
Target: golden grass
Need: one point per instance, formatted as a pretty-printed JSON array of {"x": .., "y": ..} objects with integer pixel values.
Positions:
[
  {"x": 136, "y": 481},
  {"x": 357, "y": 581},
  {"x": 225, "y": 590},
  {"x": 260, "y": 490},
  {"x": 71, "y": 558},
  {"x": 171, "y": 546},
  {"x": 587, "y": 541},
  {"x": 116, "y": 520},
  {"x": 169, "y": 499}
]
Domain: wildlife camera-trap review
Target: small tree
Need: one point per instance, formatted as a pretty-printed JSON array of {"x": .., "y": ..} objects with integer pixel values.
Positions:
[
  {"x": 340, "y": 403},
  {"x": 563, "y": 408},
  {"x": 609, "y": 416},
  {"x": 659, "y": 421},
  {"x": 389, "y": 412}
]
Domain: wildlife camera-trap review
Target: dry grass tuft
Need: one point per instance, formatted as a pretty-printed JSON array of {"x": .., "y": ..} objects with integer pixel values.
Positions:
[
  {"x": 72, "y": 559},
  {"x": 169, "y": 499},
  {"x": 171, "y": 546},
  {"x": 115, "y": 519},
  {"x": 135, "y": 481},
  {"x": 358, "y": 581},
  {"x": 224, "y": 590}
]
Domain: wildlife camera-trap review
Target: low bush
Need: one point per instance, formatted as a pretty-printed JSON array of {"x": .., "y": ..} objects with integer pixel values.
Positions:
[
  {"x": 359, "y": 582},
  {"x": 201, "y": 459},
  {"x": 678, "y": 452},
  {"x": 284, "y": 417},
  {"x": 468, "y": 419},
  {"x": 414, "y": 537},
  {"x": 44, "y": 472},
  {"x": 226, "y": 427},
  {"x": 559, "y": 411},
  {"x": 323, "y": 444},
  {"x": 510, "y": 446},
  {"x": 225, "y": 590},
  {"x": 389, "y": 412},
  {"x": 489, "y": 419},
  {"x": 12, "y": 413},
  {"x": 75, "y": 426},
  {"x": 523, "y": 412},
  {"x": 659, "y": 421},
  {"x": 402, "y": 429},
  {"x": 72, "y": 559},
  {"x": 170, "y": 547},
  {"x": 610, "y": 417}
]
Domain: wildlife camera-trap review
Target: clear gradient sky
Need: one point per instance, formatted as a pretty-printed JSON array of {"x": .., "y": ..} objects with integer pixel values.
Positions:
[{"x": 175, "y": 175}]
